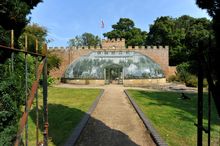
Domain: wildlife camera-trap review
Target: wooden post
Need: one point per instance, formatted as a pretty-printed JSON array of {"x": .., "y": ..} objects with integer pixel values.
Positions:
[
  {"x": 25, "y": 43},
  {"x": 12, "y": 38},
  {"x": 36, "y": 45},
  {"x": 12, "y": 54}
]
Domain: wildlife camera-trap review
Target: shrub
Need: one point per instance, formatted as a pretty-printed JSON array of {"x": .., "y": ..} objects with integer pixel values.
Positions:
[
  {"x": 50, "y": 80},
  {"x": 183, "y": 72},
  {"x": 192, "y": 81},
  {"x": 172, "y": 78}
]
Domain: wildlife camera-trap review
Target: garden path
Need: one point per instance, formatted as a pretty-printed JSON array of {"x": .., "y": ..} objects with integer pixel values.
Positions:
[{"x": 114, "y": 122}]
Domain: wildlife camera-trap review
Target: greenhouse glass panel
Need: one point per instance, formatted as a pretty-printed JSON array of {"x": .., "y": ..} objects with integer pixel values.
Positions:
[{"x": 133, "y": 65}]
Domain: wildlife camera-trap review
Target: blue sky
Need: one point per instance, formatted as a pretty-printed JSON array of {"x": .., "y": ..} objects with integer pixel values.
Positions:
[{"x": 65, "y": 19}]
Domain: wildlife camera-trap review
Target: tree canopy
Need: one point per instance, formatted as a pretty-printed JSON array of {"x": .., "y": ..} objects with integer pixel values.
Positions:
[
  {"x": 179, "y": 34},
  {"x": 86, "y": 39},
  {"x": 13, "y": 14},
  {"x": 33, "y": 32},
  {"x": 125, "y": 28}
]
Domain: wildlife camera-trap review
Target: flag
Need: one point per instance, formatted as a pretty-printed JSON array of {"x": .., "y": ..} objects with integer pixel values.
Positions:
[{"x": 102, "y": 24}]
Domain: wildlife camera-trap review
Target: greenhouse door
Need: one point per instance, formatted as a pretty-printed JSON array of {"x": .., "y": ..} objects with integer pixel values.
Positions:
[{"x": 114, "y": 74}]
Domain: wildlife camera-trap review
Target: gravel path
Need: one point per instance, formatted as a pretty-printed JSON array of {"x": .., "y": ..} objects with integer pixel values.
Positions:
[{"x": 114, "y": 122}]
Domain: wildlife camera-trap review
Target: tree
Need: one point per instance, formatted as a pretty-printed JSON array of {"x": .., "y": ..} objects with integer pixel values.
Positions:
[
  {"x": 76, "y": 41},
  {"x": 86, "y": 39},
  {"x": 173, "y": 32},
  {"x": 90, "y": 39},
  {"x": 13, "y": 15},
  {"x": 33, "y": 32},
  {"x": 36, "y": 32},
  {"x": 124, "y": 28},
  {"x": 53, "y": 62},
  {"x": 213, "y": 76},
  {"x": 166, "y": 31}
]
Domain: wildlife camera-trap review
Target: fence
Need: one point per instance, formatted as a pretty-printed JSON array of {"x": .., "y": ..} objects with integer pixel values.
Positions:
[{"x": 40, "y": 69}]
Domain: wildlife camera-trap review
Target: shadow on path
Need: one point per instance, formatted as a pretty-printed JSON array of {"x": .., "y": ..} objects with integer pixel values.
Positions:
[
  {"x": 63, "y": 119},
  {"x": 98, "y": 134}
]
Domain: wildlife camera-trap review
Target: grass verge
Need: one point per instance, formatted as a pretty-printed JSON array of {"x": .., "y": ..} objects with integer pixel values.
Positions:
[
  {"x": 66, "y": 107},
  {"x": 174, "y": 118}
]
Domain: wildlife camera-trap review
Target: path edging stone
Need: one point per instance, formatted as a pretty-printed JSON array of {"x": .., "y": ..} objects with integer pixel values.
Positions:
[
  {"x": 154, "y": 134},
  {"x": 80, "y": 126}
]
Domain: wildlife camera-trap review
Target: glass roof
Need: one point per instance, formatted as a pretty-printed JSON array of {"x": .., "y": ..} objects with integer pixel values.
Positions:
[{"x": 134, "y": 65}]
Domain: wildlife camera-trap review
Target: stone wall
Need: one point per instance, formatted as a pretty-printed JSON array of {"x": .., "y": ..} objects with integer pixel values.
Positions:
[{"x": 143, "y": 82}]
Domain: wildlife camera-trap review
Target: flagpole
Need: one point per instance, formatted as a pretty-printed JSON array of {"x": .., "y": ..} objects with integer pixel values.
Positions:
[{"x": 102, "y": 27}]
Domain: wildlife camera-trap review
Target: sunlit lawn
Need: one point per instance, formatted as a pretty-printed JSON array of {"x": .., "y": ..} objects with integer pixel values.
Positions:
[
  {"x": 174, "y": 118},
  {"x": 66, "y": 107}
]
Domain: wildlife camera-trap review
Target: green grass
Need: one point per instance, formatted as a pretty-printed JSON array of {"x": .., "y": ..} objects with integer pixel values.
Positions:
[
  {"x": 66, "y": 107},
  {"x": 174, "y": 118}
]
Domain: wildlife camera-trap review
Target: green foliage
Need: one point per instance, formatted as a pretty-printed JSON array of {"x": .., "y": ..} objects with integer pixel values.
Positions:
[
  {"x": 172, "y": 78},
  {"x": 12, "y": 97},
  {"x": 86, "y": 39},
  {"x": 182, "y": 35},
  {"x": 125, "y": 29},
  {"x": 12, "y": 93},
  {"x": 33, "y": 32},
  {"x": 192, "y": 81},
  {"x": 53, "y": 62},
  {"x": 50, "y": 80},
  {"x": 183, "y": 72},
  {"x": 13, "y": 13},
  {"x": 185, "y": 75}
]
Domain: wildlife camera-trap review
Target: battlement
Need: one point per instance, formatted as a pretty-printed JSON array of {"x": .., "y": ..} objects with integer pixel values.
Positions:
[
  {"x": 114, "y": 40},
  {"x": 113, "y": 43},
  {"x": 109, "y": 44},
  {"x": 62, "y": 49}
]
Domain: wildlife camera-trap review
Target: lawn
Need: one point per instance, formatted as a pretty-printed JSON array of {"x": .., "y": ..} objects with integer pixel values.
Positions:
[
  {"x": 66, "y": 107},
  {"x": 174, "y": 118}
]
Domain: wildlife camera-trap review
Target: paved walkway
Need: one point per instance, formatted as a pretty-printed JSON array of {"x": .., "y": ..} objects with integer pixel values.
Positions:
[{"x": 114, "y": 122}]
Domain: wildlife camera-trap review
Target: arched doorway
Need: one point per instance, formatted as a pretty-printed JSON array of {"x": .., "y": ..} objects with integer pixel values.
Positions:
[{"x": 113, "y": 74}]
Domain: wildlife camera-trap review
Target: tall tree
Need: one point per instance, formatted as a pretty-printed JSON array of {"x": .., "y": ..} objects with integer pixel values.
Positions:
[
  {"x": 33, "y": 32},
  {"x": 125, "y": 28},
  {"x": 86, "y": 39},
  {"x": 13, "y": 15},
  {"x": 36, "y": 32},
  {"x": 172, "y": 32}
]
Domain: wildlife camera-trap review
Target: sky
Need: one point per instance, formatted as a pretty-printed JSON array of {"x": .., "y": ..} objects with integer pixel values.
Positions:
[{"x": 64, "y": 19}]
